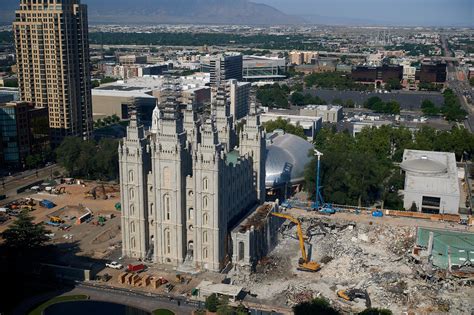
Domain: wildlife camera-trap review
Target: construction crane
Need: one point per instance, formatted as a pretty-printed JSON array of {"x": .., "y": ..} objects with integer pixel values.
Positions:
[
  {"x": 319, "y": 204},
  {"x": 304, "y": 264}
]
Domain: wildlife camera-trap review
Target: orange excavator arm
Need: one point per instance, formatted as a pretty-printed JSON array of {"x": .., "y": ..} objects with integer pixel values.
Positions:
[{"x": 299, "y": 230}]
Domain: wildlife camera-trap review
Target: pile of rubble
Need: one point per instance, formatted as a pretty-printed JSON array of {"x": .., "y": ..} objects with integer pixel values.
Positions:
[{"x": 375, "y": 258}]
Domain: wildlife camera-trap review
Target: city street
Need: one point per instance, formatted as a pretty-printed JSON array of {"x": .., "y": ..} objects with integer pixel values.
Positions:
[
  {"x": 10, "y": 184},
  {"x": 458, "y": 86}
]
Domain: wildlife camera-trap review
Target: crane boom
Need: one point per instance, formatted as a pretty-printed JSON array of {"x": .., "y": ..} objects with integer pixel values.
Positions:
[{"x": 299, "y": 230}]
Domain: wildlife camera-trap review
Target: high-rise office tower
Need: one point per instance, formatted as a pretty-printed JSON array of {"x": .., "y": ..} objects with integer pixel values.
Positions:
[
  {"x": 223, "y": 67},
  {"x": 51, "y": 39}
]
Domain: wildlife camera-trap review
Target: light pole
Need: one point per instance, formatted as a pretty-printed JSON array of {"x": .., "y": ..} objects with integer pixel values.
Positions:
[{"x": 316, "y": 203}]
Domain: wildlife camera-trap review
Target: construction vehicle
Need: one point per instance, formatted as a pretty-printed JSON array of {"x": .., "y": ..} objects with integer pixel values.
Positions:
[
  {"x": 304, "y": 264},
  {"x": 352, "y": 294},
  {"x": 61, "y": 190},
  {"x": 56, "y": 220}
]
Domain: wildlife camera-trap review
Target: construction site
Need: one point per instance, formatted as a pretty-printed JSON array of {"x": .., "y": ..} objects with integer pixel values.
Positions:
[
  {"x": 355, "y": 258},
  {"x": 75, "y": 212},
  {"x": 371, "y": 259}
]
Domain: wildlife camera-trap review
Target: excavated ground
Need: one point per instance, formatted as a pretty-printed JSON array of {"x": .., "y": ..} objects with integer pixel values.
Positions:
[{"x": 375, "y": 258}]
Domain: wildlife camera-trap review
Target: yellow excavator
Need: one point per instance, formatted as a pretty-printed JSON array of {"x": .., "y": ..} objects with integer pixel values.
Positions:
[{"x": 304, "y": 264}]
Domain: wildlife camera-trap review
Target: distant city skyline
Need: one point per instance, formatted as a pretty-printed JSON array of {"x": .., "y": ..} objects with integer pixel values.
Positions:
[{"x": 401, "y": 12}]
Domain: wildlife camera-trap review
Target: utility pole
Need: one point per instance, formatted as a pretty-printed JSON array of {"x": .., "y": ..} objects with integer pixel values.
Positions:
[{"x": 318, "y": 194}]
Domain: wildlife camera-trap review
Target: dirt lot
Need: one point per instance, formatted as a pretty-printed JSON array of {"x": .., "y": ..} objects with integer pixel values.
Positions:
[
  {"x": 364, "y": 254},
  {"x": 92, "y": 240}
]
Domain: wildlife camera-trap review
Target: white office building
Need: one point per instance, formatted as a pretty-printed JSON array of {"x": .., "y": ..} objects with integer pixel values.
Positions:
[{"x": 431, "y": 182}]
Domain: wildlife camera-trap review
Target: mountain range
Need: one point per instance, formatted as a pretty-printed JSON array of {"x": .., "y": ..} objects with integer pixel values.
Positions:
[{"x": 173, "y": 11}]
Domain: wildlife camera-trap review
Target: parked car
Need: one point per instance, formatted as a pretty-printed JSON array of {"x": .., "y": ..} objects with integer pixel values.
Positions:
[{"x": 114, "y": 265}]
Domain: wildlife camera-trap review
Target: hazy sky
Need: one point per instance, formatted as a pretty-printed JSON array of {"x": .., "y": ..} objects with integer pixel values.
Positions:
[{"x": 403, "y": 12}]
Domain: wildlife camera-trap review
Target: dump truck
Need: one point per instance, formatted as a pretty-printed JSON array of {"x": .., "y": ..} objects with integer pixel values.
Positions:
[{"x": 304, "y": 263}]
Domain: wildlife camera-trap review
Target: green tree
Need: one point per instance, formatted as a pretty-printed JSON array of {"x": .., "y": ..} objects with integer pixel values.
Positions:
[
  {"x": 428, "y": 108},
  {"x": 426, "y": 86},
  {"x": 241, "y": 310},
  {"x": 452, "y": 109},
  {"x": 223, "y": 308},
  {"x": 392, "y": 107},
  {"x": 337, "y": 80},
  {"x": 349, "y": 103},
  {"x": 115, "y": 118},
  {"x": 273, "y": 95},
  {"x": 33, "y": 160},
  {"x": 23, "y": 234},
  {"x": 393, "y": 84},
  {"x": 212, "y": 302},
  {"x": 376, "y": 104},
  {"x": 376, "y": 311},
  {"x": 68, "y": 153},
  {"x": 316, "y": 306},
  {"x": 95, "y": 84},
  {"x": 107, "y": 80},
  {"x": 298, "y": 87},
  {"x": 337, "y": 101},
  {"x": 280, "y": 123},
  {"x": 88, "y": 159},
  {"x": 471, "y": 81},
  {"x": 106, "y": 160},
  {"x": 297, "y": 99}
]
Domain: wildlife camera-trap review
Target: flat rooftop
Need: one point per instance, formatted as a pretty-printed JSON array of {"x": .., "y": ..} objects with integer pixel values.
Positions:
[{"x": 150, "y": 83}]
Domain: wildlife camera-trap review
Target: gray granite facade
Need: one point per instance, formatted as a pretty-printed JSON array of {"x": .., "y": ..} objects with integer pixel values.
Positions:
[{"x": 188, "y": 184}]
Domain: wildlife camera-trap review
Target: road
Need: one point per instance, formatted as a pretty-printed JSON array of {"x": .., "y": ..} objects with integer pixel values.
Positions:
[
  {"x": 458, "y": 86},
  {"x": 99, "y": 293},
  {"x": 10, "y": 184}
]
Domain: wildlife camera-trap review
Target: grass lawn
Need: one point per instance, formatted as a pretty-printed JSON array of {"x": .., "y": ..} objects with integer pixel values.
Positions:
[
  {"x": 40, "y": 309},
  {"x": 162, "y": 312}
]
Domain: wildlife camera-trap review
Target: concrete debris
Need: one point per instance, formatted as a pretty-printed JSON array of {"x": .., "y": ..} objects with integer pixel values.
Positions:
[{"x": 375, "y": 258}]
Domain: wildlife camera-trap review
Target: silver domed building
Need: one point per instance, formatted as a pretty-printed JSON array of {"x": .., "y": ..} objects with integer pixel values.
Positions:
[{"x": 287, "y": 157}]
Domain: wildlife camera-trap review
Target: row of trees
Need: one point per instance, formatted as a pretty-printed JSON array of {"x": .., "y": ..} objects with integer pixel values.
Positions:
[
  {"x": 220, "y": 305},
  {"x": 337, "y": 80},
  {"x": 107, "y": 121},
  {"x": 300, "y": 99},
  {"x": 376, "y": 104},
  {"x": 451, "y": 108},
  {"x": 360, "y": 170},
  {"x": 89, "y": 159},
  {"x": 97, "y": 83},
  {"x": 280, "y": 123},
  {"x": 273, "y": 95}
]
